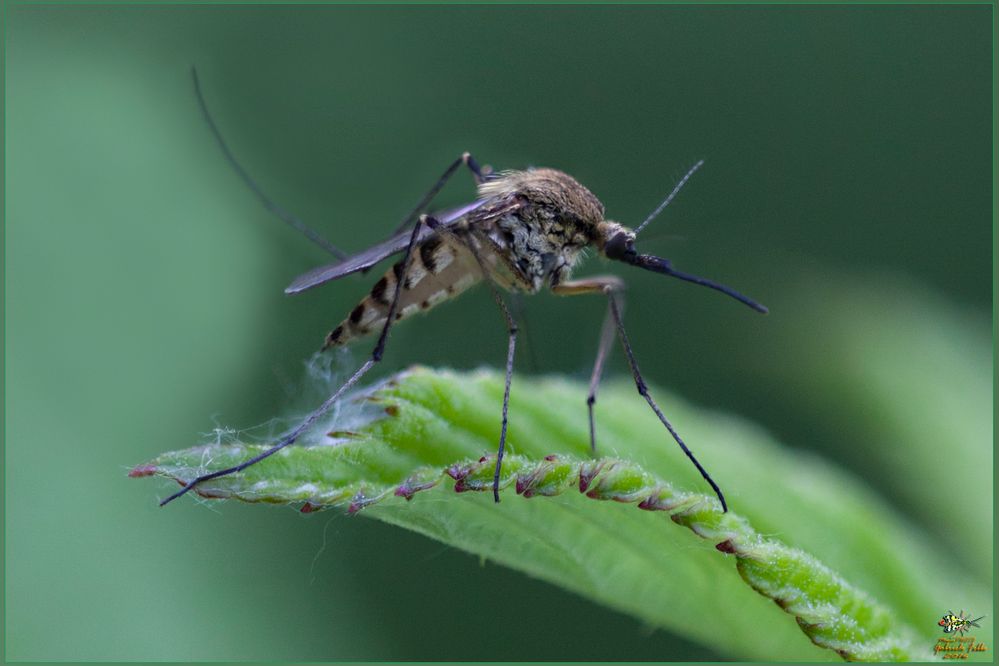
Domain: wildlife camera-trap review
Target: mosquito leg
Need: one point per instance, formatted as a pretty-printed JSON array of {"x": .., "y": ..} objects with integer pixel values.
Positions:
[
  {"x": 606, "y": 339},
  {"x": 644, "y": 391},
  {"x": 511, "y": 346},
  {"x": 511, "y": 327},
  {"x": 467, "y": 160},
  {"x": 595, "y": 285},
  {"x": 268, "y": 203},
  {"x": 376, "y": 356},
  {"x": 613, "y": 287}
]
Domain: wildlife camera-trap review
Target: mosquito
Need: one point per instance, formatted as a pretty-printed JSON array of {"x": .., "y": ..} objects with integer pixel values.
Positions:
[{"x": 526, "y": 231}]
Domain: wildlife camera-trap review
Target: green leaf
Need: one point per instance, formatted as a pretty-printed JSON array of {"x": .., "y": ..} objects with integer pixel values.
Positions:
[
  {"x": 906, "y": 374},
  {"x": 437, "y": 433}
]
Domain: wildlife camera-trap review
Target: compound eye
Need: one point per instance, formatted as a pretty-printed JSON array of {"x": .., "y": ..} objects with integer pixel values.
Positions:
[{"x": 618, "y": 246}]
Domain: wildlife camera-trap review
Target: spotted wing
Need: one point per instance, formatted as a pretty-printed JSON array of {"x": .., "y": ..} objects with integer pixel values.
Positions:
[{"x": 373, "y": 255}]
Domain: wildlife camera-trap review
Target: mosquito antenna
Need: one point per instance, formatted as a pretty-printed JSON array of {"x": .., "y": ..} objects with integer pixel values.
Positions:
[
  {"x": 669, "y": 197},
  {"x": 268, "y": 203}
]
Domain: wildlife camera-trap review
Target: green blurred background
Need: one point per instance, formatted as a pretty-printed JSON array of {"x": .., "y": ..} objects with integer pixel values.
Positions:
[{"x": 848, "y": 175}]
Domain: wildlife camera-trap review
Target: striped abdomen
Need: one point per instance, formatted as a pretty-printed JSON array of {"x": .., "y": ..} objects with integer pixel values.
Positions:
[{"x": 439, "y": 269}]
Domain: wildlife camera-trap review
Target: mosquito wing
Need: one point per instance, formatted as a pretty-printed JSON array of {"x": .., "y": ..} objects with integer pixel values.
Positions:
[
  {"x": 373, "y": 255},
  {"x": 358, "y": 262}
]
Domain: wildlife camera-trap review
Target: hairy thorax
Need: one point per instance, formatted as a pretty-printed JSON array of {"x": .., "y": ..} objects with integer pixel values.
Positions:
[{"x": 544, "y": 235}]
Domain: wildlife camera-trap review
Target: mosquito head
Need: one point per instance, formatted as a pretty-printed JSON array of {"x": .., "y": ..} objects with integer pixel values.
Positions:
[{"x": 615, "y": 241}]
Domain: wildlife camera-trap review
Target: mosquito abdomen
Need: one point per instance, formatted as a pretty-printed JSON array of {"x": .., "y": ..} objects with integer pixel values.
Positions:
[{"x": 440, "y": 269}]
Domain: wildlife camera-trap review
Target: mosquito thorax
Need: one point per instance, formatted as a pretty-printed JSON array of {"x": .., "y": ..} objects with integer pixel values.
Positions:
[
  {"x": 551, "y": 191},
  {"x": 552, "y": 219}
]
